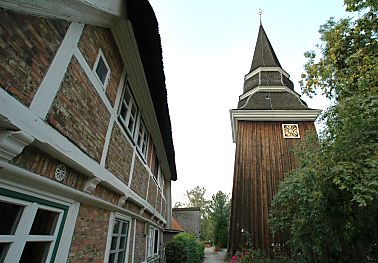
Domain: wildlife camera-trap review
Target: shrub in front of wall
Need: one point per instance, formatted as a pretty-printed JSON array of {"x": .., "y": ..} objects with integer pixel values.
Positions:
[{"x": 184, "y": 248}]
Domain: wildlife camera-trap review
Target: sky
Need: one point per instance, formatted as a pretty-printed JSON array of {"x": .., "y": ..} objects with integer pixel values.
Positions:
[{"x": 208, "y": 47}]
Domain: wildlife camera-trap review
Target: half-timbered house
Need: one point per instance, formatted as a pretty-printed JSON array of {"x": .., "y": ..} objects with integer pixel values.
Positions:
[{"x": 86, "y": 151}]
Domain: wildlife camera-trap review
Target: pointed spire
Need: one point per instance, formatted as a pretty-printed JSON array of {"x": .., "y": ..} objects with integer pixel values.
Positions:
[{"x": 264, "y": 55}]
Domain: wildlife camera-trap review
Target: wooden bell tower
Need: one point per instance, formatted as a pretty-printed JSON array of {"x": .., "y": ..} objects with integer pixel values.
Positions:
[{"x": 269, "y": 120}]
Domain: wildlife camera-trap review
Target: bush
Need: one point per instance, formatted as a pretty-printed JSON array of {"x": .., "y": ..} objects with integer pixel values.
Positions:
[{"x": 184, "y": 249}]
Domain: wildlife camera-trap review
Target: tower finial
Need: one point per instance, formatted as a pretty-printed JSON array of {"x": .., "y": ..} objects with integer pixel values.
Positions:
[{"x": 260, "y": 13}]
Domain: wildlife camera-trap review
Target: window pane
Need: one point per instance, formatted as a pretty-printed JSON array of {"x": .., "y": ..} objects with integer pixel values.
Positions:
[
  {"x": 101, "y": 70},
  {"x": 10, "y": 216},
  {"x": 133, "y": 110},
  {"x": 125, "y": 226},
  {"x": 121, "y": 257},
  {"x": 35, "y": 252},
  {"x": 3, "y": 250},
  {"x": 111, "y": 257},
  {"x": 44, "y": 222},
  {"x": 122, "y": 243},
  {"x": 123, "y": 111},
  {"x": 116, "y": 227},
  {"x": 130, "y": 126},
  {"x": 127, "y": 95},
  {"x": 114, "y": 243},
  {"x": 156, "y": 241}
]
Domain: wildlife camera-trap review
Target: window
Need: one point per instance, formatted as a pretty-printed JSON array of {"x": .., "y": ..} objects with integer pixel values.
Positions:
[
  {"x": 118, "y": 244},
  {"x": 152, "y": 242},
  {"x": 133, "y": 123},
  {"x": 142, "y": 139},
  {"x": 102, "y": 69},
  {"x": 30, "y": 228},
  {"x": 128, "y": 111}
]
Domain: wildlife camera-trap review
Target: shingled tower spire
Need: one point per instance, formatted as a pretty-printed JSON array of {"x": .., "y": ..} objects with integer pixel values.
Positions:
[{"x": 269, "y": 120}]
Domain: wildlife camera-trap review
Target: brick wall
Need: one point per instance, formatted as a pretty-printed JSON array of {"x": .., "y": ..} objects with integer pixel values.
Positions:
[
  {"x": 120, "y": 154},
  {"x": 94, "y": 38},
  {"x": 164, "y": 210},
  {"x": 140, "y": 243},
  {"x": 106, "y": 194},
  {"x": 28, "y": 45},
  {"x": 152, "y": 192},
  {"x": 158, "y": 202},
  {"x": 90, "y": 235},
  {"x": 140, "y": 179},
  {"x": 39, "y": 162},
  {"x": 78, "y": 112}
]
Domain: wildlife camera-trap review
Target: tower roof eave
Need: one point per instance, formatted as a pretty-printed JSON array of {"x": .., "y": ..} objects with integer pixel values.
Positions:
[{"x": 270, "y": 115}]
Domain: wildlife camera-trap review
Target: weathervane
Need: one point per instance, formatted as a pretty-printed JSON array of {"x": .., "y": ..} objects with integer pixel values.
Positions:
[{"x": 260, "y": 13}]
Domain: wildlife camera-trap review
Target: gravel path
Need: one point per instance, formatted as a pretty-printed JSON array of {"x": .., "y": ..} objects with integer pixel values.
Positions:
[{"x": 214, "y": 257}]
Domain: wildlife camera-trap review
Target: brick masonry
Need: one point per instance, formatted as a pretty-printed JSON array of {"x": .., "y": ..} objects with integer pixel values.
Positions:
[
  {"x": 78, "y": 112},
  {"x": 94, "y": 38},
  {"x": 152, "y": 192},
  {"x": 90, "y": 235},
  {"x": 140, "y": 242},
  {"x": 120, "y": 154},
  {"x": 140, "y": 179},
  {"x": 39, "y": 162},
  {"x": 164, "y": 210},
  {"x": 28, "y": 45},
  {"x": 106, "y": 194},
  {"x": 158, "y": 202}
]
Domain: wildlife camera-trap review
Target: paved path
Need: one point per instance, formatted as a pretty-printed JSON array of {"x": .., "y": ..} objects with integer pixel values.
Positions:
[{"x": 214, "y": 257}]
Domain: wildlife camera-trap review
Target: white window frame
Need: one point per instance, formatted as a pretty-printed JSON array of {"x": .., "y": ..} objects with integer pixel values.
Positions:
[
  {"x": 129, "y": 105},
  {"x": 112, "y": 220},
  {"x": 142, "y": 132},
  {"x": 100, "y": 55},
  {"x": 21, "y": 236},
  {"x": 151, "y": 241}
]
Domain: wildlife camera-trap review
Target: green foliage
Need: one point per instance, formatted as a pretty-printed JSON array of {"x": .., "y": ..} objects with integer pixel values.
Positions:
[
  {"x": 184, "y": 249},
  {"x": 220, "y": 213},
  {"x": 328, "y": 207}
]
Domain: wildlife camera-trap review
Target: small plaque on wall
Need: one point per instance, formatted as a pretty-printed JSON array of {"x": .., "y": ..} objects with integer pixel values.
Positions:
[{"x": 290, "y": 131}]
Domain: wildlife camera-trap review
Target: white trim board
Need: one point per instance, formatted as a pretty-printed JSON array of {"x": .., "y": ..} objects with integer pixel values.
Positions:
[
  {"x": 260, "y": 69},
  {"x": 96, "y": 12},
  {"x": 270, "y": 115},
  {"x": 50, "y": 85}
]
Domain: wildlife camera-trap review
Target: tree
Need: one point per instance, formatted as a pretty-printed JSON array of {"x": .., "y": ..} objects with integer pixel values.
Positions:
[
  {"x": 328, "y": 207},
  {"x": 220, "y": 213},
  {"x": 196, "y": 198}
]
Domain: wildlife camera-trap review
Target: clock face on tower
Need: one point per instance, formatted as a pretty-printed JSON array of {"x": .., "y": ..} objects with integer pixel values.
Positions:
[{"x": 290, "y": 131}]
